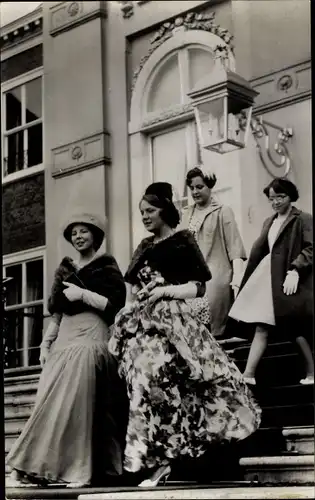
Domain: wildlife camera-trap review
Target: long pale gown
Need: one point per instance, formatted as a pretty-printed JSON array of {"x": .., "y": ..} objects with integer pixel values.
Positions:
[{"x": 77, "y": 421}]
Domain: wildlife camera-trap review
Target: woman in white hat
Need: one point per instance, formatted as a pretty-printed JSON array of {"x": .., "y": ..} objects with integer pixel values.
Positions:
[{"x": 77, "y": 422}]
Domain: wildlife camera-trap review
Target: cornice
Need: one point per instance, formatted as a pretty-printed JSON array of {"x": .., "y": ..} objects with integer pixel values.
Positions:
[{"x": 21, "y": 30}]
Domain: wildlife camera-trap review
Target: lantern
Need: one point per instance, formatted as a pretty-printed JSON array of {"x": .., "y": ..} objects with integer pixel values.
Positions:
[{"x": 223, "y": 103}]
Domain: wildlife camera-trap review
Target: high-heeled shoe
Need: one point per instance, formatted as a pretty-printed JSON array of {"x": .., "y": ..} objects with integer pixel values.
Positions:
[
  {"x": 309, "y": 380},
  {"x": 249, "y": 380},
  {"x": 152, "y": 483},
  {"x": 77, "y": 485},
  {"x": 11, "y": 482}
]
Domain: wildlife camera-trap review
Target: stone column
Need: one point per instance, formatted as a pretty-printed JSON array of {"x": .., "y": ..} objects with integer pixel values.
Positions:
[{"x": 76, "y": 141}]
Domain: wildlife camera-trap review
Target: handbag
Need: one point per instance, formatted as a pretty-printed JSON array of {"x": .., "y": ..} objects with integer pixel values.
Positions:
[{"x": 201, "y": 309}]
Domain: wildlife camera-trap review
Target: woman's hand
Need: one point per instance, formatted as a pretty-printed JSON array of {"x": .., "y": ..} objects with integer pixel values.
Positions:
[
  {"x": 158, "y": 293},
  {"x": 291, "y": 282},
  {"x": 236, "y": 282},
  {"x": 73, "y": 292},
  {"x": 44, "y": 353}
]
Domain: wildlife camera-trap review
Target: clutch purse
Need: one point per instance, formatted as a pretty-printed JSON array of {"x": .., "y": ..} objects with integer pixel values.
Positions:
[{"x": 74, "y": 279}]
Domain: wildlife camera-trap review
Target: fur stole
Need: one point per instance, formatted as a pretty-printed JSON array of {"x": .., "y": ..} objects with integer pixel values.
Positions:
[
  {"x": 102, "y": 275},
  {"x": 178, "y": 258}
]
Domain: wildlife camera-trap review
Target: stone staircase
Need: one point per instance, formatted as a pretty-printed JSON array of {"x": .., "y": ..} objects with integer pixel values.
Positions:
[
  {"x": 19, "y": 395},
  {"x": 281, "y": 452}
]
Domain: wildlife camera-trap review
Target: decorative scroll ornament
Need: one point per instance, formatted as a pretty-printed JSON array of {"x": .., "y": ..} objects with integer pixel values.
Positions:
[
  {"x": 276, "y": 159},
  {"x": 126, "y": 8},
  {"x": 190, "y": 21},
  {"x": 73, "y": 9}
]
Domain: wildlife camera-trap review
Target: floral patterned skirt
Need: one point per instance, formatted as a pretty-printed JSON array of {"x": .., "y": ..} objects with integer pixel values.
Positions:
[{"x": 184, "y": 391}]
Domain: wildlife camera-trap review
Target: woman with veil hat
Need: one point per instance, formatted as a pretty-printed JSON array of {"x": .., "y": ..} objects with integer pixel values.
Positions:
[
  {"x": 184, "y": 391},
  {"x": 75, "y": 426}
]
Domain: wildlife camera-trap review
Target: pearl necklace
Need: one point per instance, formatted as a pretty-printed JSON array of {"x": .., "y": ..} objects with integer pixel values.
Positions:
[{"x": 158, "y": 240}]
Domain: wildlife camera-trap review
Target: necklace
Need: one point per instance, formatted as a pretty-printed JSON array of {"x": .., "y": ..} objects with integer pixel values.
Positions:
[{"x": 158, "y": 240}]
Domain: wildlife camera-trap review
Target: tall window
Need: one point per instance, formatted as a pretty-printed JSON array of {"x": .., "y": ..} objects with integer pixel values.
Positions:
[
  {"x": 174, "y": 148},
  {"x": 163, "y": 139},
  {"x": 22, "y": 126},
  {"x": 25, "y": 309}
]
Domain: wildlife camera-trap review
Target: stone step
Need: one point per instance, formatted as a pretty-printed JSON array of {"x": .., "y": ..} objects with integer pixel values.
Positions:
[
  {"x": 293, "y": 469},
  {"x": 16, "y": 423},
  {"x": 171, "y": 491},
  {"x": 299, "y": 440},
  {"x": 273, "y": 349},
  {"x": 288, "y": 415},
  {"x": 278, "y": 370},
  {"x": 277, "y": 441},
  {"x": 21, "y": 388},
  {"x": 283, "y": 395}
]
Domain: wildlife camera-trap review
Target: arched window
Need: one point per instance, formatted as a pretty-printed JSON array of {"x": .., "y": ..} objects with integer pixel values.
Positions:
[{"x": 163, "y": 136}]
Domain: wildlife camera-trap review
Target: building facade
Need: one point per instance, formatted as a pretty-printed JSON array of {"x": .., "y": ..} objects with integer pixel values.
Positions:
[{"x": 95, "y": 107}]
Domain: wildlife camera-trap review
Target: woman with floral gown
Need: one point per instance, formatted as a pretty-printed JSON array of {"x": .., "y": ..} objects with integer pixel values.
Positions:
[
  {"x": 76, "y": 428},
  {"x": 184, "y": 391}
]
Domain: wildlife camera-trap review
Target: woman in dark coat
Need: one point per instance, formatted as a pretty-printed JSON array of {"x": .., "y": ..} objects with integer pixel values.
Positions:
[
  {"x": 76, "y": 426},
  {"x": 276, "y": 291},
  {"x": 184, "y": 390}
]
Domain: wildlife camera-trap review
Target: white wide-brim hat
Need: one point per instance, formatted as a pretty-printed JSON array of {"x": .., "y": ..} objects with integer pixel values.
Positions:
[{"x": 93, "y": 222}]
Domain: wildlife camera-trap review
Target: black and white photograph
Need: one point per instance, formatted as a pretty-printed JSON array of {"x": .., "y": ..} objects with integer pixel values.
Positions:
[{"x": 157, "y": 250}]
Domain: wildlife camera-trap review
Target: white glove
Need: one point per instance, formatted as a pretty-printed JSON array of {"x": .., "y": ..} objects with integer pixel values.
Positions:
[
  {"x": 73, "y": 292},
  {"x": 48, "y": 338},
  {"x": 185, "y": 291},
  {"x": 44, "y": 353},
  {"x": 291, "y": 282}
]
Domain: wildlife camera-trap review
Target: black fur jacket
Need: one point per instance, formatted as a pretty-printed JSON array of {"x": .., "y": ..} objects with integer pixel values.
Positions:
[
  {"x": 102, "y": 275},
  {"x": 178, "y": 259}
]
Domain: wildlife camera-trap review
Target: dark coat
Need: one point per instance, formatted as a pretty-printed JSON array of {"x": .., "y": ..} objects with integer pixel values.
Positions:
[
  {"x": 101, "y": 275},
  {"x": 293, "y": 249}
]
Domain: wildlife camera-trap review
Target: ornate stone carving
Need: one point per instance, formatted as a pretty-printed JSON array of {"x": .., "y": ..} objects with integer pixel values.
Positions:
[
  {"x": 73, "y": 9},
  {"x": 85, "y": 153},
  {"x": 126, "y": 8},
  {"x": 68, "y": 15},
  {"x": 76, "y": 153},
  {"x": 161, "y": 116},
  {"x": 285, "y": 87},
  {"x": 190, "y": 21},
  {"x": 272, "y": 147},
  {"x": 285, "y": 83}
]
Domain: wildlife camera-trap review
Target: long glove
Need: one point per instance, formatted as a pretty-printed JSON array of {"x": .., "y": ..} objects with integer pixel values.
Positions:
[
  {"x": 49, "y": 337},
  {"x": 186, "y": 291},
  {"x": 94, "y": 300}
]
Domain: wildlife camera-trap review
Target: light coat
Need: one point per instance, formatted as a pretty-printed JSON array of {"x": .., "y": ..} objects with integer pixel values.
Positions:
[{"x": 220, "y": 243}]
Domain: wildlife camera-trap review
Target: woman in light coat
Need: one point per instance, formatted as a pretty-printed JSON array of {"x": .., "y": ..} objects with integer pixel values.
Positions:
[
  {"x": 276, "y": 293},
  {"x": 218, "y": 237}
]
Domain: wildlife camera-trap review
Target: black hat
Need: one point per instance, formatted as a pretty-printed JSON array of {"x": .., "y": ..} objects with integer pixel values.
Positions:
[{"x": 161, "y": 190}]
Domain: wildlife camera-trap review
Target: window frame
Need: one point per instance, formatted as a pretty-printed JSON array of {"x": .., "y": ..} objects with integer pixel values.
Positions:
[
  {"x": 18, "y": 81},
  {"x": 191, "y": 152},
  {"x": 23, "y": 257},
  {"x": 141, "y": 125}
]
